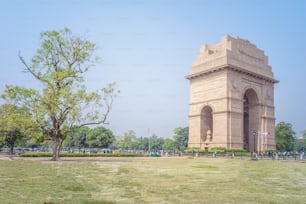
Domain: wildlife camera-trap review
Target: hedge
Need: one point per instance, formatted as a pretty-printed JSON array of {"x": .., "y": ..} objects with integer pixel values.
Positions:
[{"x": 49, "y": 154}]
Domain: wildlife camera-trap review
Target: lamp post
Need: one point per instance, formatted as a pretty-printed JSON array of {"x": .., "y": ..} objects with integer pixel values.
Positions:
[
  {"x": 254, "y": 134},
  {"x": 149, "y": 141}
]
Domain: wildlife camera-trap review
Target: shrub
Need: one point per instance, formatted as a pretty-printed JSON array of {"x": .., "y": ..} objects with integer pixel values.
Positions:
[
  {"x": 36, "y": 154},
  {"x": 190, "y": 149},
  {"x": 218, "y": 149},
  {"x": 49, "y": 154},
  {"x": 238, "y": 151}
]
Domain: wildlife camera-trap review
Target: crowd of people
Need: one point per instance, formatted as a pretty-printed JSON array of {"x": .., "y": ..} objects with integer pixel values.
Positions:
[{"x": 280, "y": 155}]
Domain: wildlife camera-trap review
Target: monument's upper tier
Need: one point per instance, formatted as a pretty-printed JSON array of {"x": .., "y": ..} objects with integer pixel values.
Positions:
[{"x": 235, "y": 52}]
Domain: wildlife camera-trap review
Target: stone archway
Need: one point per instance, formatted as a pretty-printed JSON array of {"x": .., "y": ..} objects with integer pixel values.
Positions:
[
  {"x": 232, "y": 94},
  {"x": 206, "y": 124},
  {"x": 250, "y": 120}
]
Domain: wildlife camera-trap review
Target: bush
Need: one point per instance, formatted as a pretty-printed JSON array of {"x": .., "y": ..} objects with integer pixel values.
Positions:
[
  {"x": 36, "y": 154},
  {"x": 190, "y": 149},
  {"x": 218, "y": 149},
  {"x": 49, "y": 154},
  {"x": 240, "y": 152}
]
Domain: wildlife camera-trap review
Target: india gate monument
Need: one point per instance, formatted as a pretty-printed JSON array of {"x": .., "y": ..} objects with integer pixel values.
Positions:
[{"x": 231, "y": 97}]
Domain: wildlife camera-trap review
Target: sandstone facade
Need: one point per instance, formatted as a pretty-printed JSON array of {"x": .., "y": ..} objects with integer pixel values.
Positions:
[{"x": 231, "y": 97}]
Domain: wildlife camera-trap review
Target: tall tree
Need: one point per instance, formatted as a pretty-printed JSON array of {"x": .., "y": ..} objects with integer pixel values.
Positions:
[
  {"x": 63, "y": 104},
  {"x": 181, "y": 137},
  {"x": 77, "y": 138},
  {"x": 300, "y": 144},
  {"x": 138, "y": 144},
  {"x": 100, "y": 137},
  {"x": 15, "y": 123},
  {"x": 145, "y": 143},
  {"x": 126, "y": 141},
  {"x": 169, "y": 144},
  {"x": 304, "y": 134},
  {"x": 156, "y": 143},
  {"x": 284, "y": 136}
]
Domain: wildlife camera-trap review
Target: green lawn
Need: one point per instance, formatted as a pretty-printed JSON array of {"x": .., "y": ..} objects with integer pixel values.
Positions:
[{"x": 152, "y": 180}]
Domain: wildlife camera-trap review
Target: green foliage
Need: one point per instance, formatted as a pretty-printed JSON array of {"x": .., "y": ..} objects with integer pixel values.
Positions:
[
  {"x": 181, "y": 137},
  {"x": 77, "y": 138},
  {"x": 129, "y": 141},
  {"x": 284, "y": 136},
  {"x": 100, "y": 137},
  {"x": 146, "y": 143},
  {"x": 139, "y": 143},
  {"x": 219, "y": 149},
  {"x": 169, "y": 144},
  {"x": 15, "y": 123},
  {"x": 300, "y": 144},
  {"x": 239, "y": 151},
  {"x": 304, "y": 134},
  {"x": 126, "y": 141},
  {"x": 192, "y": 150},
  {"x": 63, "y": 103},
  {"x": 49, "y": 154},
  {"x": 36, "y": 154},
  {"x": 156, "y": 143}
]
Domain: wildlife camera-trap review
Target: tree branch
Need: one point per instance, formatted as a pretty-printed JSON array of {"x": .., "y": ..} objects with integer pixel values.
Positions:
[
  {"x": 29, "y": 70},
  {"x": 27, "y": 67},
  {"x": 91, "y": 123}
]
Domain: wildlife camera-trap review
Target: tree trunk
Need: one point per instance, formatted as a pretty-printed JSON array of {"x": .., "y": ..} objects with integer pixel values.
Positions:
[
  {"x": 11, "y": 142},
  {"x": 57, "y": 148},
  {"x": 11, "y": 149}
]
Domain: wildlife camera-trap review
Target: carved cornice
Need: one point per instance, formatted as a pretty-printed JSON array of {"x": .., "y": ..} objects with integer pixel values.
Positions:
[{"x": 233, "y": 68}]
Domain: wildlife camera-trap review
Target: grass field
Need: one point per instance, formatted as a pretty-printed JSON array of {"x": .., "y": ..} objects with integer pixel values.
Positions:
[{"x": 152, "y": 180}]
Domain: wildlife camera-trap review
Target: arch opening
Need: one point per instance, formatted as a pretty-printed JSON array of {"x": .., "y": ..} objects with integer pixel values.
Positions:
[
  {"x": 206, "y": 124},
  {"x": 250, "y": 120}
]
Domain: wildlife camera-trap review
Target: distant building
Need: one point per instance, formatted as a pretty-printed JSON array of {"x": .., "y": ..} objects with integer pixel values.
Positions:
[{"x": 231, "y": 97}]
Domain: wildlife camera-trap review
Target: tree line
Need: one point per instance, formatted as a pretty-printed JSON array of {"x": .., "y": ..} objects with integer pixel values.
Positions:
[
  {"x": 101, "y": 137},
  {"x": 13, "y": 133},
  {"x": 129, "y": 141}
]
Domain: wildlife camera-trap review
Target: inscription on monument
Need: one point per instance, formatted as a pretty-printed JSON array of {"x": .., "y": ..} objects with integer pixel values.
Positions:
[{"x": 251, "y": 56}]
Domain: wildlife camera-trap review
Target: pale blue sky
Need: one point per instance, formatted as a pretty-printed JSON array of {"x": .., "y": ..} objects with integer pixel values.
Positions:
[{"x": 147, "y": 48}]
